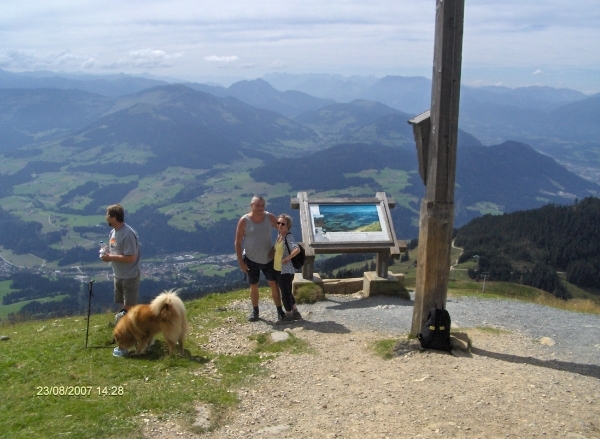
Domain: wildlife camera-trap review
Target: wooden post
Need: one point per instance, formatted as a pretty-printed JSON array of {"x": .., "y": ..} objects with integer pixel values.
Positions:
[
  {"x": 437, "y": 208},
  {"x": 381, "y": 267},
  {"x": 308, "y": 267}
]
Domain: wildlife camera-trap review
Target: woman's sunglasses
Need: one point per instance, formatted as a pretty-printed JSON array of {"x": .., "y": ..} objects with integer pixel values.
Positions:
[{"x": 281, "y": 224}]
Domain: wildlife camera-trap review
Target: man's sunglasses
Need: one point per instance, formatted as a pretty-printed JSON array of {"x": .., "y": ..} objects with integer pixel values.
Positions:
[{"x": 281, "y": 224}]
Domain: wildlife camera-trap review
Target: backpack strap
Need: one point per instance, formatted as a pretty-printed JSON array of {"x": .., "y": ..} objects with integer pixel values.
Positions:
[{"x": 286, "y": 243}]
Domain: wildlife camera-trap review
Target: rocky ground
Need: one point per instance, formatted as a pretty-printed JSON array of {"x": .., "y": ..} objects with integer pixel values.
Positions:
[{"x": 508, "y": 385}]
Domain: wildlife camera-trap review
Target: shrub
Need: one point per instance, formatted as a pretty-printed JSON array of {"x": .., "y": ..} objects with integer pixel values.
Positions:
[{"x": 309, "y": 293}]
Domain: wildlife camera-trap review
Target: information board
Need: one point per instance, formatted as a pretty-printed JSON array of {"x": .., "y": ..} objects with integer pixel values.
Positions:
[{"x": 348, "y": 223}]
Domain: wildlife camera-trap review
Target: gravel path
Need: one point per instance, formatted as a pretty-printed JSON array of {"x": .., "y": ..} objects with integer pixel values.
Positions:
[{"x": 576, "y": 335}]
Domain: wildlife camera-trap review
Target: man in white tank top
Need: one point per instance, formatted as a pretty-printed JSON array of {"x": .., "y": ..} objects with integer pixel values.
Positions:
[{"x": 254, "y": 230}]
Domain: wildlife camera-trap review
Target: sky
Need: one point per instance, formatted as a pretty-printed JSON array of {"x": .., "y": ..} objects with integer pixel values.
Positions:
[{"x": 512, "y": 43}]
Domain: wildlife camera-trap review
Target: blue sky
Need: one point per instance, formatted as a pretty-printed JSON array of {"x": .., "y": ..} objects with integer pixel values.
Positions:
[{"x": 513, "y": 43}]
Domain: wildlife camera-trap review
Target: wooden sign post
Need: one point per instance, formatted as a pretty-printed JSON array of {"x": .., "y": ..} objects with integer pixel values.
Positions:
[
  {"x": 350, "y": 225},
  {"x": 436, "y": 138}
]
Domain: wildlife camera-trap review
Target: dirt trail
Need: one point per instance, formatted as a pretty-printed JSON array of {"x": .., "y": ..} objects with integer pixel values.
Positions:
[{"x": 503, "y": 388}]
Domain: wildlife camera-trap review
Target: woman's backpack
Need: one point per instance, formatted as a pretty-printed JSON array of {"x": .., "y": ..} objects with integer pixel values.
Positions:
[{"x": 298, "y": 260}]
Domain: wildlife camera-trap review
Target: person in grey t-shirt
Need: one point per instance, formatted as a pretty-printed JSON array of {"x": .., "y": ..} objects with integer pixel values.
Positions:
[
  {"x": 123, "y": 253},
  {"x": 254, "y": 230}
]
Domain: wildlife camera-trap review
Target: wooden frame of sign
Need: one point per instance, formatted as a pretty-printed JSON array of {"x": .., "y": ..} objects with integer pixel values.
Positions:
[{"x": 347, "y": 225}]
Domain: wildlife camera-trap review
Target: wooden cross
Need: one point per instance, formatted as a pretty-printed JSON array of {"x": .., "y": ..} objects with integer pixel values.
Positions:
[{"x": 436, "y": 136}]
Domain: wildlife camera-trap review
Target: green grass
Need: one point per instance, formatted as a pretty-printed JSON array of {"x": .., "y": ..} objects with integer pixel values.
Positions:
[
  {"x": 44, "y": 360},
  {"x": 309, "y": 293},
  {"x": 384, "y": 348}
]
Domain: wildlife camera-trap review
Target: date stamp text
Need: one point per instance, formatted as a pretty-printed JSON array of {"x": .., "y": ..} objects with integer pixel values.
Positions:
[{"x": 80, "y": 391}]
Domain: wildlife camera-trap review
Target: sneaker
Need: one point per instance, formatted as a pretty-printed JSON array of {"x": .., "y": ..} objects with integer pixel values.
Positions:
[
  {"x": 296, "y": 315},
  {"x": 253, "y": 317},
  {"x": 119, "y": 315},
  {"x": 117, "y": 352},
  {"x": 288, "y": 318}
]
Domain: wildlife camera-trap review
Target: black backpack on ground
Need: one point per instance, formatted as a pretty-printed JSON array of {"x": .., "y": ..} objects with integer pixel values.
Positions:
[
  {"x": 298, "y": 260},
  {"x": 435, "y": 333}
]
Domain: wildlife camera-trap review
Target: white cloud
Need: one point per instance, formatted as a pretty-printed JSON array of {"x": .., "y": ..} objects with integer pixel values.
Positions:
[
  {"x": 537, "y": 72},
  {"x": 25, "y": 60},
  {"x": 150, "y": 58},
  {"x": 387, "y": 37},
  {"x": 221, "y": 59},
  {"x": 144, "y": 58}
]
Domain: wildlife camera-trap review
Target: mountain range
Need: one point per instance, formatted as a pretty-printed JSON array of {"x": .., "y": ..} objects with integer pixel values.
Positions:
[
  {"x": 562, "y": 123},
  {"x": 188, "y": 157}
]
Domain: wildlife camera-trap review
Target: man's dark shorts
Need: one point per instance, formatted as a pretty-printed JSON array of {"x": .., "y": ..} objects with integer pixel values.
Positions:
[{"x": 254, "y": 270}]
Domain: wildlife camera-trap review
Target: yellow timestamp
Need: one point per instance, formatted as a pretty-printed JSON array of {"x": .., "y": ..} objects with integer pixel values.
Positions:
[{"x": 80, "y": 390}]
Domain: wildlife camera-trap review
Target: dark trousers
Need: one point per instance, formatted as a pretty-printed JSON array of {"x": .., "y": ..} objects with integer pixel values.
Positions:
[{"x": 285, "y": 286}]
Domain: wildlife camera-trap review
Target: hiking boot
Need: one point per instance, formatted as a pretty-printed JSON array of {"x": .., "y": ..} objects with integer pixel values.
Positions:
[
  {"x": 253, "y": 317},
  {"x": 119, "y": 315},
  {"x": 296, "y": 315},
  {"x": 288, "y": 318}
]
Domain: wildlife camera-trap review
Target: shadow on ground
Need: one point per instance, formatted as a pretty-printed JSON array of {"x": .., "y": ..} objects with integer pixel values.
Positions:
[
  {"x": 590, "y": 370},
  {"x": 327, "y": 327},
  {"x": 367, "y": 302}
]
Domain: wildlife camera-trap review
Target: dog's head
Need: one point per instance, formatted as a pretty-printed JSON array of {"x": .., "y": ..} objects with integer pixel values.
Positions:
[{"x": 123, "y": 336}]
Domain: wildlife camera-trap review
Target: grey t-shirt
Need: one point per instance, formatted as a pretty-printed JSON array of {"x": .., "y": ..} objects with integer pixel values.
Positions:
[
  {"x": 257, "y": 240},
  {"x": 124, "y": 242}
]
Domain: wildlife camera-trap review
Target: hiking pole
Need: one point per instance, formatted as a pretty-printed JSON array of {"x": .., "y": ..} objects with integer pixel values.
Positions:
[{"x": 90, "y": 287}]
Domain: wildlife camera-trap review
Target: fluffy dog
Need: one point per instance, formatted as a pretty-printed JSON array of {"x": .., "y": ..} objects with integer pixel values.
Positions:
[{"x": 166, "y": 314}]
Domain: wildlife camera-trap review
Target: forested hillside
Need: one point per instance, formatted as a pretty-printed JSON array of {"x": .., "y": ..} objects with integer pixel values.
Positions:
[
  {"x": 185, "y": 164},
  {"x": 530, "y": 247}
]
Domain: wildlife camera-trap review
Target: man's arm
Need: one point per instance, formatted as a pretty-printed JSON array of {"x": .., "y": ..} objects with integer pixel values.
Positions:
[
  {"x": 273, "y": 220},
  {"x": 130, "y": 246},
  {"x": 239, "y": 237},
  {"x": 124, "y": 259}
]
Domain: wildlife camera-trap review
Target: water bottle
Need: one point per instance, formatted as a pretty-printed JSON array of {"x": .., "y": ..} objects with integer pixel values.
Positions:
[{"x": 103, "y": 249}]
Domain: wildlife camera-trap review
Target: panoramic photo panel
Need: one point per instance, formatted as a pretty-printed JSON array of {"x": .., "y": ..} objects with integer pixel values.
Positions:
[{"x": 348, "y": 223}]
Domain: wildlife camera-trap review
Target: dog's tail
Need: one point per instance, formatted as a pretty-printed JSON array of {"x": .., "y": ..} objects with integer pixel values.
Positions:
[{"x": 169, "y": 307}]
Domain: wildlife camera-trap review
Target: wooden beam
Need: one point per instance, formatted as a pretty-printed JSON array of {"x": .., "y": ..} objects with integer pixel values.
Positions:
[
  {"x": 437, "y": 208},
  {"x": 421, "y": 130},
  {"x": 295, "y": 202}
]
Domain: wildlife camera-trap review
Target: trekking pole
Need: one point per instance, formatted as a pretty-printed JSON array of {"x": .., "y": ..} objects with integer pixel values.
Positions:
[{"x": 90, "y": 287}]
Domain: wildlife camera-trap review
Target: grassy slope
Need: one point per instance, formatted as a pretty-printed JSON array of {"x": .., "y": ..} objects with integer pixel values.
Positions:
[
  {"x": 42, "y": 354},
  {"x": 49, "y": 354}
]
